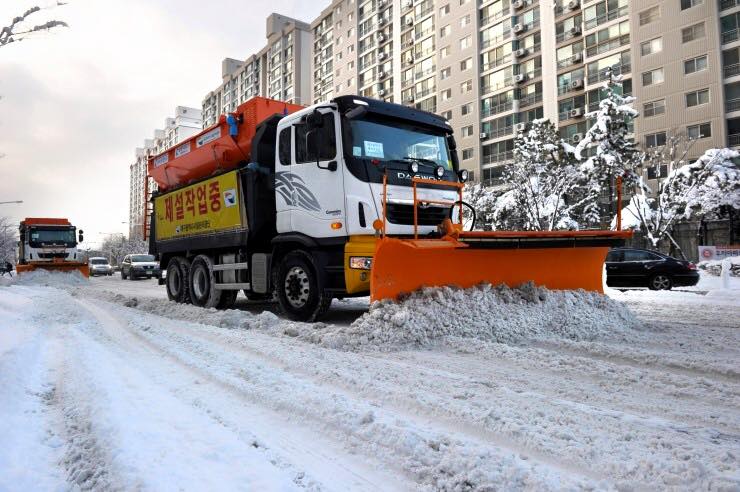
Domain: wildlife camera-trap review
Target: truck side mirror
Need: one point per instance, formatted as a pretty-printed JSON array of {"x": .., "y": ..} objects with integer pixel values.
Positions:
[
  {"x": 356, "y": 112},
  {"x": 314, "y": 120},
  {"x": 80, "y": 236},
  {"x": 22, "y": 236}
]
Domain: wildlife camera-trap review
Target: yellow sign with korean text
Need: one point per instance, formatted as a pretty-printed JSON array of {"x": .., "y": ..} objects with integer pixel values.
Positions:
[{"x": 206, "y": 207}]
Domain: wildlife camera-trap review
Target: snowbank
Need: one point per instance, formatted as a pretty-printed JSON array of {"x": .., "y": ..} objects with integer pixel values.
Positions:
[
  {"x": 47, "y": 278},
  {"x": 714, "y": 267},
  {"x": 492, "y": 314}
]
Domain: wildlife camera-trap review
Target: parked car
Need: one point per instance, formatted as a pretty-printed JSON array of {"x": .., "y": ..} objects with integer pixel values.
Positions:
[
  {"x": 631, "y": 267},
  {"x": 99, "y": 266},
  {"x": 140, "y": 266}
]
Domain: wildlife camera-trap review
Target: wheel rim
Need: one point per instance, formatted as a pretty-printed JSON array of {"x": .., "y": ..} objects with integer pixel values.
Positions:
[
  {"x": 661, "y": 282},
  {"x": 297, "y": 287},
  {"x": 199, "y": 283},
  {"x": 173, "y": 279}
]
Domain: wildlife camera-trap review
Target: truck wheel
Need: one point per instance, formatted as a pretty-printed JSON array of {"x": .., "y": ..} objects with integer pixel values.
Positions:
[
  {"x": 228, "y": 298},
  {"x": 203, "y": 292},
  {"x": 176, "y": 283},
  {"x": 300, "y": 291}
]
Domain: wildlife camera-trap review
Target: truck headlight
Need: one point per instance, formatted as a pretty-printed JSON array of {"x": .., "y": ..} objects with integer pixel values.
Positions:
[
  {"x": 361, "y": 262},
  {"x": 463, "y": 174},
  {"x": 440, "y": 171},
  {"x": 414, "y": 167}
]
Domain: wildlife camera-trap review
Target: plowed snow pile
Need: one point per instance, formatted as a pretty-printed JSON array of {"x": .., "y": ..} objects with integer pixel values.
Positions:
[
  {"x": 495, "y": 314},
  {"x": 48, "y": 278}
]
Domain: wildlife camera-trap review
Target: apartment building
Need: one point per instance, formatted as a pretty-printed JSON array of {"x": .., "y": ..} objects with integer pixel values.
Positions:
[
  {"x": 281, "y": 70},
  {"x": 184, "y": 124},
  {"x": 492, "y": 66}
]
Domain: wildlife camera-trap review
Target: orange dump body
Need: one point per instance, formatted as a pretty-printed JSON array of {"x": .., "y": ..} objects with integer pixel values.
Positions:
[{"x": 215, "y": 149}]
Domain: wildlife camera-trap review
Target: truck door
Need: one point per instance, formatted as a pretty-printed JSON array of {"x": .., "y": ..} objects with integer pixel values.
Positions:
[{"x": 313, "y": 186}]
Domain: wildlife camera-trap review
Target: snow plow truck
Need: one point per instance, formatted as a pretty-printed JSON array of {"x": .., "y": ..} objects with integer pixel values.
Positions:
[
  {"x": 346, "y": 198},
  {"x": 49, "y": 244}
]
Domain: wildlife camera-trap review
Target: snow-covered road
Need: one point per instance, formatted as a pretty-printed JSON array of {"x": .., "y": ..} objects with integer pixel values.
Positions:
[{"x": 107, "y": 385}]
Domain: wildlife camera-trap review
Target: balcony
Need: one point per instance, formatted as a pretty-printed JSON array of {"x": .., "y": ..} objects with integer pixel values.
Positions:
[
  {"x": 565, "y": 115},
  {"x": 501, "y": 157},
  {"x": 730, "y": 36},
  {"x": 732, "y": 105},
  {"x": 732, "y": 70},
  {"x": 530, "y": 99},
  {"x": 569, "y": 34},
  {"x": 495, "y": 63},
  {"x": 498, "y": 15},
  {"x": 500, "y": 85},
  {"x": 728, "y": 4},
  {"x": 573, "y": 60},
  {"x": 607, "y": 17},
  {"x": 499, "y": 108},
  {"x": 608, "y": 45},
  {"x": 493, "y": 41},
  {"x": 499, "y": 132},
  {"x": 606, "y": 73},
  {"x": 424, "y": 73}
]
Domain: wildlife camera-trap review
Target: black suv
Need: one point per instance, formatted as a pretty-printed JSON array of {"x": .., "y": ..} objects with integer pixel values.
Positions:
[{"x": 629, "y": 267}]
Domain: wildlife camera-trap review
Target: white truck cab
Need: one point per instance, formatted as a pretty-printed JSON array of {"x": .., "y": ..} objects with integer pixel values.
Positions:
[{"x": 354, "y": 142}]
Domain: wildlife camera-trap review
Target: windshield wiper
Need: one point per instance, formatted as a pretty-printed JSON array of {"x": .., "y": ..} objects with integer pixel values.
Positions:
[{"x": 422, "y": 160}]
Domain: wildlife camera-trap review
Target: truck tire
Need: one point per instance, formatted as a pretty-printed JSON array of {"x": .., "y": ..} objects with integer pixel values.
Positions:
[
  {"x": 299, "y": 288},
  {"x": 177, "y": 280},
  {"x": 202, "y": 283},
  {"x": 228, "y": 298}
]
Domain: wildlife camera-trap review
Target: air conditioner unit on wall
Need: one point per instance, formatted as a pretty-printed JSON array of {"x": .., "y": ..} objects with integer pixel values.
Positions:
[
  {"x": 520, "y": 127},
  {"x": 577, "y": 137},
  {"x": 576, "y": 113},
  {"x": 574, "y": 5},
  {"x": 519, "y": 28},
  {"x": 519, "y": 78},
  {"x": 521, "y": 52},
  {"x": 577, "y": 58},
  {"x": 483, "y": 135},
  {"x": 517, "y": 4},
  {"x": 409, "y": 21},
  {"x": 575, "y": 30},
  {"x": 576, "y": 84}
]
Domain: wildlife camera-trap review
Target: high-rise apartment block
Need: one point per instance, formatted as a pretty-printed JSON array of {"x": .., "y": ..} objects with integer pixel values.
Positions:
[
  {"x": 280, "y": 70},
  {"x": 185, "y": 123},
  {"x": 492, "y": 66}
]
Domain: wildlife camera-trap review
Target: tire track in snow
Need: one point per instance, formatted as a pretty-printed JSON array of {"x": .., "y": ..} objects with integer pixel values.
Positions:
[{"x": 312, "y": 467}]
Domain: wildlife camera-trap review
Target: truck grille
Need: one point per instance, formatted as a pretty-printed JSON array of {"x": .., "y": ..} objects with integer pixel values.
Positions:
[
  {"x": 49, "y": 256},
  {"x": 404, "y": 214}
]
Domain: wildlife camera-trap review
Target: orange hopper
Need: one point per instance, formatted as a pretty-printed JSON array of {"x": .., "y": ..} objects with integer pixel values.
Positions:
[{"x": 216, "y": 149}]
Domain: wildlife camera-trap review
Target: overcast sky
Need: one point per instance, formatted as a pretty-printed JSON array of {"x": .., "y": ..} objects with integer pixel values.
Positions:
[{"x": 77, "y": 102}]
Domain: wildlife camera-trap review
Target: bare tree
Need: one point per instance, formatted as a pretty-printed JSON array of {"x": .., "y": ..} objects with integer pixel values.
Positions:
[{"x": 18, "y": 30}]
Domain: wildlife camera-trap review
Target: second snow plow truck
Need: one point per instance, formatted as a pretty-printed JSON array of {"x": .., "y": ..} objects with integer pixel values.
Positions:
[{"x": 340, "y": 199}]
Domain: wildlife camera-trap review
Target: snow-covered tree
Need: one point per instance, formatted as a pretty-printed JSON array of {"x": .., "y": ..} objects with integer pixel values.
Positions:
[
  {"x": 616, "y": 153},
  {"x": 546, "y": 188},
  {"x": 115, "y": 247},
  {"x": 8, "y": 240},
  {"x": 18, "y": 29},
  {"x": 687, "y": 191},
  {"x": 483, "y": 199}
]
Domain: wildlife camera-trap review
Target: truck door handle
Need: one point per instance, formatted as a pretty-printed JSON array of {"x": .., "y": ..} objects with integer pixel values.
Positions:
[{"x": 330, "y": 166}]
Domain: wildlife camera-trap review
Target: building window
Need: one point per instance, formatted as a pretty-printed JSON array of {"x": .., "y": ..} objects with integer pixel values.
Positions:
[
  {"x": 444, "y": 10},
  {"x": 466, "y": 86},
  {"x": 653, "y": 108},
  {"x": 695, "y": 132},
  {"x": 652, "y": 46},
  {"x": 650, "y": 15},
  {"x": 445, "y": 31},
  {"x": 467, "y": 131},
  {"x": 444, "y": 52},
  {"x": 465, "y": 20},
  {"x": 655, "y": 139},
  {"x": 446, "y": 94},
  {"x": 687, "y": 4},
  {"x": 445, "y": 73},
  {"x": 466, "y": 109},
  {"x": 467, "y": 154},
  {"x": 466, "y": 64},
  {"x": 697, "y": 98},
  {"x": 447, "y": 114},
  {"x": 695, "y": 64},
  {"x": 656, "y": 172},
  {"x": 466, "y": 42},
  {"x": 692, "y": 33},
  {"x": 652, "y": 77}
]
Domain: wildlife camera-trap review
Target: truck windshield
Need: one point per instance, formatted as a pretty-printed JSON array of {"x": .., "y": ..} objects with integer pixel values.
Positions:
[
  {"x": 141, "y": 258},
  {"x": 52, "y": 236},
  {"x": 390, "y": 141}
]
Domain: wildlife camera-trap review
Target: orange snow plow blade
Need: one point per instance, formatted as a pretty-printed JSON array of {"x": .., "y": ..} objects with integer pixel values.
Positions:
[
  {"x": 557, "y": 260},
  {"x": 55, "y": 266}
]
